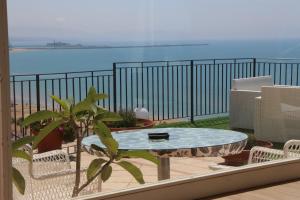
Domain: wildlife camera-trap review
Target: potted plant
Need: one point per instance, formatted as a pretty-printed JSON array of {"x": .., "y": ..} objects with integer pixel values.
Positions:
[
  {"x": 129, "y": 121},
  {"x": 55, "y": 138},
  {"x": 92, "y": 117},
  {"x": 243, "y": 157},
  {"x": 52, "y": 141}
]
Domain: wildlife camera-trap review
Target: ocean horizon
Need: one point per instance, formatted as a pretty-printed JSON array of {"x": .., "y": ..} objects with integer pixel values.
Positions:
[{"x": 28, "y": 61}]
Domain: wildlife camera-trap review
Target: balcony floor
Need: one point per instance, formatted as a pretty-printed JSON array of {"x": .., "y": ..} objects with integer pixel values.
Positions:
[
  {"x": 284, "y": 191},
  {"x": 180, "y": 167}
]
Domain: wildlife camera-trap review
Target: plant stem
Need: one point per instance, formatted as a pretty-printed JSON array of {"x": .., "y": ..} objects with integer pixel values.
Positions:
[
  {"x": 90, "y": 180},
  {"x": 78, "y": 164}
]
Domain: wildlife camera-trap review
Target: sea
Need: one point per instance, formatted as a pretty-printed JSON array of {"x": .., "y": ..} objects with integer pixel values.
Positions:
[
  {"x": 66, "y": 60},
  {"x": 163, "y": 97}
]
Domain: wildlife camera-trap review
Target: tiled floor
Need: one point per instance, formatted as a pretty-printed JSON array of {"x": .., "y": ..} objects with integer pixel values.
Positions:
[{"x": 180, "y": 167}]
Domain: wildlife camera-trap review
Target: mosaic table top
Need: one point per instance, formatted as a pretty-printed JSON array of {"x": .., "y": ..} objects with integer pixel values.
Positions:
[{"x": 181, "y": 142}]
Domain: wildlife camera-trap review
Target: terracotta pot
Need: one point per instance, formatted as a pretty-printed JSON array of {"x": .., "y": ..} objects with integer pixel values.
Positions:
[
  {"x": 146, "y": 124},
  {"x": 51, "y": 142},
  {"x": 242, "y": 158}
]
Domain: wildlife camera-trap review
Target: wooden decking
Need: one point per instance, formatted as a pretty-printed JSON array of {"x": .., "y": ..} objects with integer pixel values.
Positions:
[
  {"x": 284, "y": 191},
  {"x": 180, "y": 167}
]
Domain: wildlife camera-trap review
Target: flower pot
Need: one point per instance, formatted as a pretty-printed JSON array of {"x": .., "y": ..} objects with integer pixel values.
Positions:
[
  {"x": 243, "y": 157},
  {"x": 146, "y": 124},
  {"x": 51, "y": 142}
]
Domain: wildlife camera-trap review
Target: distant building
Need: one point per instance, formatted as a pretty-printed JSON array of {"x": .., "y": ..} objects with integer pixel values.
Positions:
[{"x": 58, "y": 44}]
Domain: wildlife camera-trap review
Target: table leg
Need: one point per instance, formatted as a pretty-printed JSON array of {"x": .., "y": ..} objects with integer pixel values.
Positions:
[
  {"x": 163, "y": 169},
  {"x": 99, "y": 183}
]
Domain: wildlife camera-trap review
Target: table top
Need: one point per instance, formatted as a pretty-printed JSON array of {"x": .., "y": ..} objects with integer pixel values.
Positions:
[{"x": 182, "y": 141}]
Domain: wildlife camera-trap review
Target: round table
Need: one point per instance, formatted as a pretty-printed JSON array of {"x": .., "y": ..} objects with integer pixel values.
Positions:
[{"x": 182, "y": 142}]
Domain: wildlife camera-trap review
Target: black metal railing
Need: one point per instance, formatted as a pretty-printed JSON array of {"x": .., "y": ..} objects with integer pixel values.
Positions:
[
  {"x": 179, "y": 89},
  {"x": 168, "y": 89},
  {"x": 32, "y": 92}
]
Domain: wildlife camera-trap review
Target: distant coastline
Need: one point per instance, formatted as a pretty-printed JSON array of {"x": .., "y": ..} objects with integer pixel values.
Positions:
[{"x": 49, "y": 47}]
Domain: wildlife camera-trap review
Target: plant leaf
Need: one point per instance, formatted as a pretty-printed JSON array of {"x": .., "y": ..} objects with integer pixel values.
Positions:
[
  {"x": 105, "y": 137},
  {"x": 39, "y": 116},
  {"x": 92, "y": 92},
  {"x": 93, "y": 96},
  {"x": 133, "y": 170},
  {"x": 21, "y": 154},
  {"x": 63, "y": 103},
  {"x": 97, "y": 148},
  {"x": 46, "y": 130},
  {"x": 21, "y": 142},
  {"x": 106, "y": 173},
  {"x": 84, "y": 105},
  {"x": 18, "y": 180},
  {"x": 109, "y": 117},
  {"x": 94, "y": 167},
  {"x": 139, "y": 154},
  {"x": 100, "y": 96}
]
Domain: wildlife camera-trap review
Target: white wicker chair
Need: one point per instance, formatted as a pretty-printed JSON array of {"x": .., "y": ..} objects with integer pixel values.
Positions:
[
  {"x": 50, "y": 177},
  {"x": 277, "y": 114},
  {"x": 242, "y": 97},
  {"x": 258, "y": 154}
]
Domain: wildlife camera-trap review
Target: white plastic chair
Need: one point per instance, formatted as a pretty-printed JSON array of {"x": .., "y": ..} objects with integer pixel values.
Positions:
[
  {"x": 50, "y": 176},
  {"x": 258, "y": 154},
  {"x": 242, "y": 97}
]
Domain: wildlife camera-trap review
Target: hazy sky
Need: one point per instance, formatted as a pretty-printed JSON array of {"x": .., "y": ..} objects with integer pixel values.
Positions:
[{"x": 153, "y": 20}]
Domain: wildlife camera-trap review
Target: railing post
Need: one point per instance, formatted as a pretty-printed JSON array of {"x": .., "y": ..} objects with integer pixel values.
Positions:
[
  {"x": 254, "y": 67},
  {"x": 192, "y": 91},
  {"x": 37, "y": 83},
  {"x": 115, "y": 86},
  {"x": 92, "y": 73},
  {"x": 67, "y": 91},
  {"x": 14, "y": 106}
]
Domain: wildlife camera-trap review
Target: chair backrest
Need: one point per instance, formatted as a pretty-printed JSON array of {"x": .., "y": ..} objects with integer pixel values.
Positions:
[
  {"x": 253, "y": 83},
  {"x": 280, "y": 113},
  {"x": 291, "y": 149}
]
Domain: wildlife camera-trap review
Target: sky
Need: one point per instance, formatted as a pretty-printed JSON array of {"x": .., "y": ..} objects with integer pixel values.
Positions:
[{"x": 150, "y": 21}]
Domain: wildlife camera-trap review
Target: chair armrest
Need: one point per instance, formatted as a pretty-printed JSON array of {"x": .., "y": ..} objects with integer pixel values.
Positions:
[
  {"x": 50, "y": 162},
  {"x": 60, "y": 185},
  {"x": 70, "y": 172},
  {"x": 263, "y": 154}
]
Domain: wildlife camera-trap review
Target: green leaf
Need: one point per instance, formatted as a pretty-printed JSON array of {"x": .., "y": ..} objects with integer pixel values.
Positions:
[
  {"x": 84, "y": 106},
  {"x": 97, "y": 148},
  {"x": 92, "y": 92},
  {"x": 18, "y": 180},
  {"x": 133, "y": 170},
  {"x": 21, "y": 142},
  {"x": 21, "y": 154},
  {"x": 63, "y": 103},
  {"x": 100, "y": 96},
  {"x": 105, "y": 137},
  {"x": 45, "y": 131},
  {"x": 106, "y": 173},
  {"x": 39, "y": 116},
  {"x": 93, "y": 96},
  {"x": 109, "y": 117},
  {"x": 94, "y": 167},
  {"x": 139, "y": 154}
]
